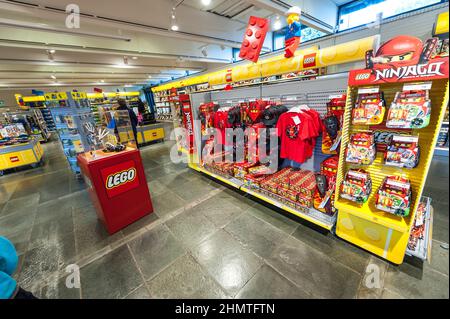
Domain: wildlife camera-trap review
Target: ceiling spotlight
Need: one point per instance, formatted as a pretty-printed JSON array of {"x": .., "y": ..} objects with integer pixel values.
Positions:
[
  {"x": 125, "y": 60},
  {"x": 205, "y": 52},
  {"x": 50, "y": 55},
  {"x": 173, "y": 17},
  {"x": 102, "y": 81},
  {"x": 134, "y": 57},
  {"x": 206, "y": 2},
  {"x": 277, "y": 25},
  {"x": 149, "y": 76},
  {"x": 53, "y": 77}
]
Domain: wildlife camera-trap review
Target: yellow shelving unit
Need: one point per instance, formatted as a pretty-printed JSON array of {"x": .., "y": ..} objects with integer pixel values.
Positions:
[{"x": 382, "y": 233}]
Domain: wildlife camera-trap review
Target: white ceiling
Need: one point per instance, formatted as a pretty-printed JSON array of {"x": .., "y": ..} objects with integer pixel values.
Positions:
[{"x": 94, "y": 54}]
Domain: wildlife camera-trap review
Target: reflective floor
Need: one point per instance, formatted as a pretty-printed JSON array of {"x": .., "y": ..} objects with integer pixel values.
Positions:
[{"x": 203, "y": 241}]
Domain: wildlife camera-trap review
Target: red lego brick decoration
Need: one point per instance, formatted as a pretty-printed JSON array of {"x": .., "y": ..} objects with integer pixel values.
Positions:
[{"x": 254, "y": 38}]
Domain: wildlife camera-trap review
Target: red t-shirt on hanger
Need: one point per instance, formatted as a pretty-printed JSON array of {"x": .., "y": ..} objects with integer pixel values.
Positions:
[{"x": 295, "y": 131}]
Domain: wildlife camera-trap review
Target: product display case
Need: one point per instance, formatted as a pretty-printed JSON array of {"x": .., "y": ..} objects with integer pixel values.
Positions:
[{"x": 112, "y": 168}]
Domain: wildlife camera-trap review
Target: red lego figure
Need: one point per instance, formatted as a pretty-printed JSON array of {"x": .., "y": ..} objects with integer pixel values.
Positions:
[{"x": 254, "y": 38}]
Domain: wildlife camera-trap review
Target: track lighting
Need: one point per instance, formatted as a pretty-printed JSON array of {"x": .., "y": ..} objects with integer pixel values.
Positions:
[
  {"x": 173, "y": 16},
  {"x": 125, "y": 60}
]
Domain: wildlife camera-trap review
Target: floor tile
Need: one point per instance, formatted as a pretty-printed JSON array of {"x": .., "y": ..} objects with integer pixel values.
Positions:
[
  {"x": 425, "y": 283},
  {"x": 19, "y": 221},
  {"x": 269, "y": 284},
  {"x": 315, "y": 272},
  {"x": 220, "y": 210},
  {"x": 273, "y": 217},
  {"x": 140, "y": 293},
  {"x": 113, "y": 276},
  {"x": 166, "y": 203},
  {"x": 19, "y": 204},
  {"x": 59, "y": 290},
  {"x": 258, "y": 236},
  {"x": 139, "y": 224},
  {"x": 192, "y": 190},
  {"x": 51, "y": 230},
  {"x": 155, "y": 250},
  {"x": 227, "y": 261},
  {"x": 191, "y": 227},
  {"x": 184, "y": 279},
  {"x": 439, "y": 258},
  {"x": 335, "y": 248},
  {"x": 43, "y": 261},
  {"x": 90, "y": 233},
  {"x": 156, "y": 187}
]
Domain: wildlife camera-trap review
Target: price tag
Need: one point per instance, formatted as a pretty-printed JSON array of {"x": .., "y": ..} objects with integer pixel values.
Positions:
[
  {"x": 296, "y": 120},
  {"x": 291, "y": 98},
  {"x": 366, "y": 90},
  {"x": 417, "y": 86}
]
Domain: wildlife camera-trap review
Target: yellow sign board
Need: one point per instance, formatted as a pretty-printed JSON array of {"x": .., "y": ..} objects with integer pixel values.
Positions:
[{"x": 310, "y": 58}]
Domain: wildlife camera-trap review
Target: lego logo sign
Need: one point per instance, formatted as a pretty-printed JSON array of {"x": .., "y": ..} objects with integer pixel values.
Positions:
[
  {"x": 120, "y": 178},
  {"x": 115, "y": 180},
  {"x": 309, "y": 61},
  {"x": 362, "y": 76}
]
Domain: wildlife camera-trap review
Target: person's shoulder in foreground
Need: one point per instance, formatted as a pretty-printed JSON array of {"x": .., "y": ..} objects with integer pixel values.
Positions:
[{"x": 8, "y": 265}]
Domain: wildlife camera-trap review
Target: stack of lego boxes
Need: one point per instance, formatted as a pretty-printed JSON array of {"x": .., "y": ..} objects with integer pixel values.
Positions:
[{"x": 294, "y": 188}]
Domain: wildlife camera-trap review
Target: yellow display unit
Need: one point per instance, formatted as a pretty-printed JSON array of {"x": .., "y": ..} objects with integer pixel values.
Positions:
[
  {"x": 145, "y": 134},
  {"x": 382, "y": 233},
  {"x": 14, "y": 156}
]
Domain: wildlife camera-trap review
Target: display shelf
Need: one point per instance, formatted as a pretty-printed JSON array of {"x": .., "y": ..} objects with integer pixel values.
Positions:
[
  {"x": 383, "y": 233},
  {"x": 423, "y": 248},
  {"x": 310, "y": 214}
]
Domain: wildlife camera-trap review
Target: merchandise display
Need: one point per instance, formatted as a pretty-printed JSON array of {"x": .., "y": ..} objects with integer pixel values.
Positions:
[
  {"x": 214, "y": 149},
  {"x": 410, "y": 109},
  {"x": 403, "y": 151},
  {"x": 361, "y": 149},
  {"x": 405, "y": 144},
  {"x": 394, "y": 196},
  {"x": 357, "y": 186},
  {"x": 369, "y": 109}
]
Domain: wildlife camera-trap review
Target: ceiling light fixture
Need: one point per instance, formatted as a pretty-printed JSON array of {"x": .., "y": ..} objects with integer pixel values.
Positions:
[
  {"x": 134, "y": 57},
  {"x": 125, "y": 60},
  {"x": 205, "y": 51},
  {"x": 206, "y": 2},
  {"x": 50, "y": 55},
  {"x": 173, "y": 16},
  {"x": 102, "y": 81},
  {"x": 53, "y": 77}
]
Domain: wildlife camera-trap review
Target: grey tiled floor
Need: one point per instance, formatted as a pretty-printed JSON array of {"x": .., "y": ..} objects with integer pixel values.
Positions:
[{"x": 203, "y": 241}]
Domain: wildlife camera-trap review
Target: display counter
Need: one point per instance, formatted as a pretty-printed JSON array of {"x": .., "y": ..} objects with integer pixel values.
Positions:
[
  {"x": 18, "y": 155},
  {"x": 145, "y": 134},
  {"x": 117, "y": 186}
]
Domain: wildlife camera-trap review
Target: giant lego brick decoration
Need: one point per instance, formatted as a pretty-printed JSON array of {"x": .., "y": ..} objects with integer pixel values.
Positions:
[{"x": 254, "y": 38}]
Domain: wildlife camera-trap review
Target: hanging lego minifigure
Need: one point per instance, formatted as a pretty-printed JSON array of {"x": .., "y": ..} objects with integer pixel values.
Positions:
[{"x": 293, "y": 32}]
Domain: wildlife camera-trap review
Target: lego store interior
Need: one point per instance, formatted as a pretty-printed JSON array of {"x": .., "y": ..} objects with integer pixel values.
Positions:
[{"x": 224, "y": 149}]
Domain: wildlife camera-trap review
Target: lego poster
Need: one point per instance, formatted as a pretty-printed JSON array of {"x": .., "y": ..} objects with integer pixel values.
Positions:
[{"x": 402, "y": 59}]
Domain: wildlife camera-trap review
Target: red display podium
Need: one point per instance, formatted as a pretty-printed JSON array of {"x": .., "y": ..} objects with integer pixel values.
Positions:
[{"x": 117, "y": 185}]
